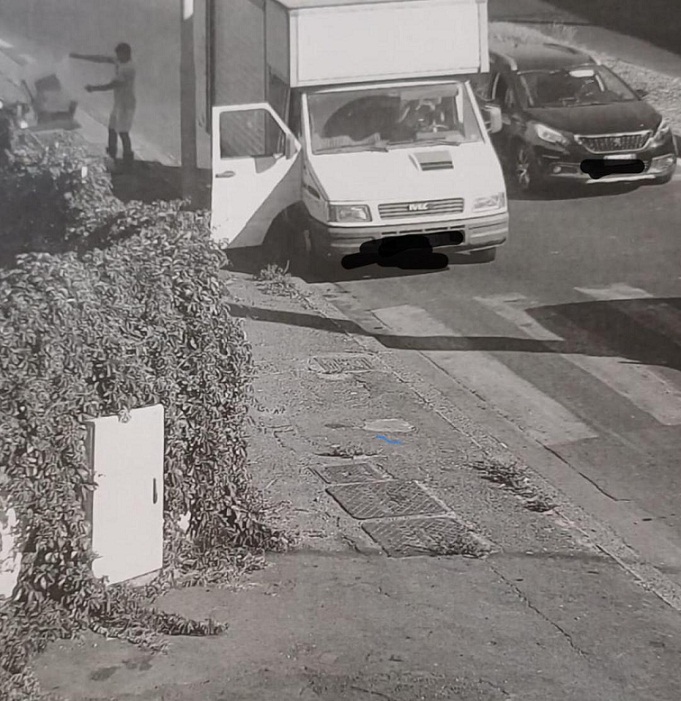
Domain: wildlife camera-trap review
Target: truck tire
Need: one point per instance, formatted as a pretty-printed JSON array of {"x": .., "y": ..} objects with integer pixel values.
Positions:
[{"x": 300, "y": 251}]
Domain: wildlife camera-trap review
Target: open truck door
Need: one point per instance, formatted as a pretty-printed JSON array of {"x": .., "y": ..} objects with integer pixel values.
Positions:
[{"x": 256, "y": 172}]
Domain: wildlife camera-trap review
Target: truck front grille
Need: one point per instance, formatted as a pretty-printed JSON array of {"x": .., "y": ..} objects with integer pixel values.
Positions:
[
  {"x": 425, "y": 208},
  {"x": 614, "y": 143}
]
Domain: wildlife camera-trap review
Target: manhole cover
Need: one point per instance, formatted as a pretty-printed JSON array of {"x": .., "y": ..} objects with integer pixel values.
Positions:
[
  {"x": 384, "y": 499},
  {"x": 425, "y": 536},
  {"x": 335, "y": 365},
  {"x": 352, "y": 472}
]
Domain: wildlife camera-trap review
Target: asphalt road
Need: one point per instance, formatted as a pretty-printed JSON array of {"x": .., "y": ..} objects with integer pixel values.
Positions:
[{"x": 540, "y": 334}]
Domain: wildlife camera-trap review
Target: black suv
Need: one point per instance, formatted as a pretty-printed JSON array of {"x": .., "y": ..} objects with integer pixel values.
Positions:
[{"x": 567, "y": 117}]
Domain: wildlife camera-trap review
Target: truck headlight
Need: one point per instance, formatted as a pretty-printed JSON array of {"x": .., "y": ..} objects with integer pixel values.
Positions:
[
  {"x": 349, "y": 213},
  {"x": 552, "y": 136},
  {"x": 662, "y": 133},
  {"x": 497, "y": 201}
]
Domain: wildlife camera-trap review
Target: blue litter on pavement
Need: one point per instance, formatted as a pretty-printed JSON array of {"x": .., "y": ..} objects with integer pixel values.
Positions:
[{"x": 389, "y": 440}]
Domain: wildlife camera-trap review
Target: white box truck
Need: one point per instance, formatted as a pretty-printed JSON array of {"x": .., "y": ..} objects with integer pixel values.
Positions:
[{"x": 348, "y": 125}]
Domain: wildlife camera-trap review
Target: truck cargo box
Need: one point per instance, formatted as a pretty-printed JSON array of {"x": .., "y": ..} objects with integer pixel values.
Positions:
[
  {"x": 263, "y": 47},
  {"x": 318, "y": 42}
]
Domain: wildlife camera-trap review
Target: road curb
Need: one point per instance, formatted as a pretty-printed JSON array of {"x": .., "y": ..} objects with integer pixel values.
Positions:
[{"x": 602, "y": 535}]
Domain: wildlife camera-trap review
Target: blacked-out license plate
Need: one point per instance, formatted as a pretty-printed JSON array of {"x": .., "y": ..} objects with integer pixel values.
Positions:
[{"x": 444, "y": 238}]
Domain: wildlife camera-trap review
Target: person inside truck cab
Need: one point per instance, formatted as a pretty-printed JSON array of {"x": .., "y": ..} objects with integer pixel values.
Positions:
[{"x": 421, "y": 116}]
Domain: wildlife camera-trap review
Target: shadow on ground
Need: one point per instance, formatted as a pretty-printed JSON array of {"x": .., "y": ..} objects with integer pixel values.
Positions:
[
  {"x": 562, "y": 192},
  {"x": 148, "y": 181},
  {"x": 597, "y": 329},
  {"x": 363, "y": 265},
  {"x": 656, "y": 21}
]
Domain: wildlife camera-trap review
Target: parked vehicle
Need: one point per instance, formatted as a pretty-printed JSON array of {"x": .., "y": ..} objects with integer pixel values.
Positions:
[
  {"x": 47, "y": 107},
  {"x": 52, "y": 107},
  {"x": 351, "y": 121},
  {"x": 12, "y": 116},
  {"x": 566, "y": 117}
]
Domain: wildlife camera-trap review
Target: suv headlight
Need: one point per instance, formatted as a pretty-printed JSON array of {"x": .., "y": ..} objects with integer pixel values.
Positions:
[
  {"x": 497, "y": 201},
  {"x": 349, "y": 213},
  {"x": 662, "y": 133},
  {"x": 552, "y": 136}
]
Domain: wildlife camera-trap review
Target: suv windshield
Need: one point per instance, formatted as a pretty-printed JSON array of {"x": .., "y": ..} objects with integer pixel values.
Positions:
[
  {"x": 382, "y": 118},
  {"x": 592, "y": 85}
]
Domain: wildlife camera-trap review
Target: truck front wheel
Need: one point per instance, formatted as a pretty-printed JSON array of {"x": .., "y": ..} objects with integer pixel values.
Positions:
[{"x": 301, "y": 254}]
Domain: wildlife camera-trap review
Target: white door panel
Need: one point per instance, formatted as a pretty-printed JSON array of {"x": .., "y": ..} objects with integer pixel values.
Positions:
[
  {"x": 127, "y": 506},
  {"x": 256, "y": 164}
]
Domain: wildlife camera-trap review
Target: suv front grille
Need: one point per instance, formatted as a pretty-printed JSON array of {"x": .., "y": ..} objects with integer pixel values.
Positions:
[
  {"x": 421, "y": 209},
  {"x": 614, "y": 143}
]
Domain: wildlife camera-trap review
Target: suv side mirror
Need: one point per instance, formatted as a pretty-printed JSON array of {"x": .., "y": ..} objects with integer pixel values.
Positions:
[
  {"x": 493, "y": 121},
  {"x": 641, "y": 92}
]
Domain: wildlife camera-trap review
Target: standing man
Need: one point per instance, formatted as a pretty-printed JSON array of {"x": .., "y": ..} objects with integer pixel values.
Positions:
[{"x": 123, "y": 86}]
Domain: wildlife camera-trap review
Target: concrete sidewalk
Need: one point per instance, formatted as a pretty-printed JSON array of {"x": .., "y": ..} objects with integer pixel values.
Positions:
[{"x": 544, "y": 614}]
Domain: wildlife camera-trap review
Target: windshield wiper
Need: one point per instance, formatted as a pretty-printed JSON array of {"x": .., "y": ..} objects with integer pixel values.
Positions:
[{"x": 439, "y": 142}]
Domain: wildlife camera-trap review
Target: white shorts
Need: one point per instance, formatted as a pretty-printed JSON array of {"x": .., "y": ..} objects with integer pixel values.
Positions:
[{"x": 121, "y": 118}]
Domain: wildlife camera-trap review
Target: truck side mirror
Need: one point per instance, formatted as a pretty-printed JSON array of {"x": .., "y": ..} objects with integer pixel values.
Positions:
[
  {"x": 493, "y": 118},
  {"x": 290, "y": 147}
]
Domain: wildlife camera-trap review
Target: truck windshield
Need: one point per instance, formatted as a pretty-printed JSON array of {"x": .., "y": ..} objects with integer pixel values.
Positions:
[
  {"x": 390, "y": 117},
  {"x": 578, "y": 87}
]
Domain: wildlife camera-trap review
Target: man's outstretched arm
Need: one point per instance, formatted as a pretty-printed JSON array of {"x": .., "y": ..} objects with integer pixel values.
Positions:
[
  {"x": 103, "y": 88},
  {"x": 93, "y": 58}
]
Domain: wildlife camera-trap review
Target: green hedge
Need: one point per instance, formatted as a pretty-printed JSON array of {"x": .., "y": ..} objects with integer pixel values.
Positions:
[{"x": 121, "y": 307}]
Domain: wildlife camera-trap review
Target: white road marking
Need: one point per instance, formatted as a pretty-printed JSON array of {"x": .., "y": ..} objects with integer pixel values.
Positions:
[
  {"x": 639, "y": 384},
  {"x": 539, "y": 415}
]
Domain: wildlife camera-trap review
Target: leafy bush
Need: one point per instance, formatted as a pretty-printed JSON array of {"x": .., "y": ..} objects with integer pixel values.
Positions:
[
  {"x": 48, "y": 202},
  {"x": 123, "y": 308}
]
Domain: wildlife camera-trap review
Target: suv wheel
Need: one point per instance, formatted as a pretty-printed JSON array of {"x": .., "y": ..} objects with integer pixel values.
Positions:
[{"x": 525, "y": 172}]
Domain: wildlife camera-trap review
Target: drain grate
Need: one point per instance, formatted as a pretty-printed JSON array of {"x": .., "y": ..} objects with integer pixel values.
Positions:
[
  {"x": 351, "y": 472},
  {"x": 337, "y": 364},
  {"x": 425, "y": 537},
  {"x": 385, "y": 499}
]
